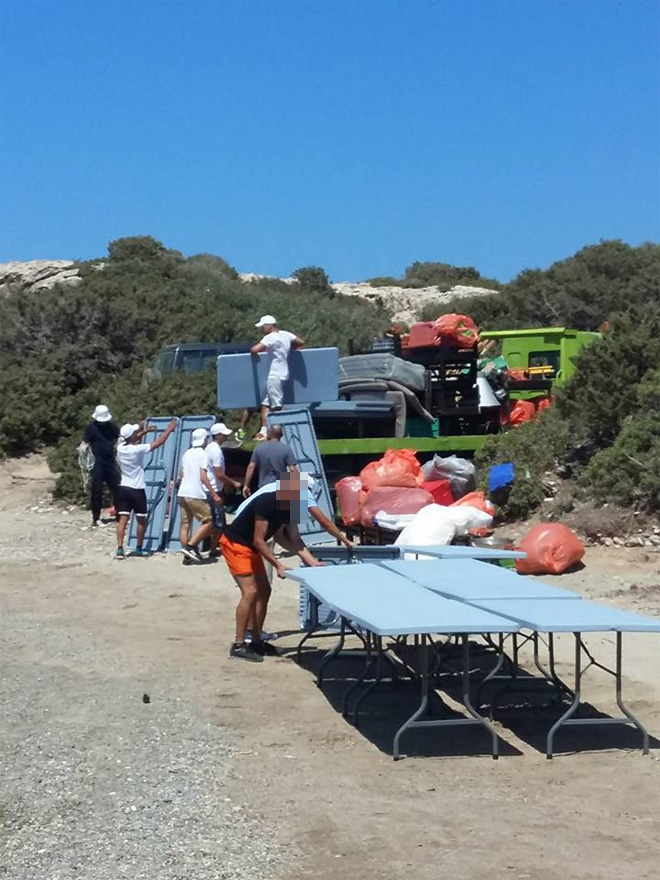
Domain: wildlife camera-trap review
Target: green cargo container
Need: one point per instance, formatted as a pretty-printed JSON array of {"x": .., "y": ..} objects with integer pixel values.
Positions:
[{"x": 551, "y": 347}]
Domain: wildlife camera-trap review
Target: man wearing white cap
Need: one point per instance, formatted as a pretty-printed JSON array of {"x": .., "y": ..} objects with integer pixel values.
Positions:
[
  {"x": 215, "y": 468},
  {"x": 278, "y": 343},
  {"x": 101, "y": 434},
  {"x": 196, "y": 494},
  {"x": 132, "y": 494}
]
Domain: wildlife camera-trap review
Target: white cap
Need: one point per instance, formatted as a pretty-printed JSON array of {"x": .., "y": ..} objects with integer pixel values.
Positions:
[
  {"x": 199, "y": 436},
  {"x": 126, "y": 431},
  {"x": 101, "y": 414},
  {"x": 220, "y": 428},
  {"x": 266, "y": 319}
]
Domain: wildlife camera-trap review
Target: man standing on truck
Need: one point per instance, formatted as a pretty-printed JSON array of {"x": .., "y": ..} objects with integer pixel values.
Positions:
[
  {"x": 279, "y": 343},
  {"x": 132, "y": 494}
]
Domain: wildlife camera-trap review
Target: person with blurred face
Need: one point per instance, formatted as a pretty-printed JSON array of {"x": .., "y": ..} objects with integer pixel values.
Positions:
[
  {"x": 278, "y": 343},
  {"x": 245, "y": 547}
]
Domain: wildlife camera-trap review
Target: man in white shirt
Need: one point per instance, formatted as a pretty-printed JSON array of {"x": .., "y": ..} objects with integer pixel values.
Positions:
[
  {"x": 278, "y": 343},
  {"x": 196, "y": 493},
  {"x": 215, "y": 468},
  {"x": 132, "y": 495}
]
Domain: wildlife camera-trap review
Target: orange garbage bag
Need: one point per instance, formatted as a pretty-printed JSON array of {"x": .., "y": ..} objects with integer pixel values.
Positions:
[
  {"x": 398, "y": 467},
  {"x": 551, "y": 548},
  {"x": 478, "y": 500},
  {"x": 458, "y": 329},
  {"x": 349, "y": 499},
  {"x": 522, "y": 411},
  {"x": 393, "y": 499},
  {"x": 542, "y": 403}
]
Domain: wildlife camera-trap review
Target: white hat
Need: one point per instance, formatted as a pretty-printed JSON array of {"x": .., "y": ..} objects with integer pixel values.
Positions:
[
  {"x": 101, "y": 414},
  {"x": 199, "y": 436},
  {"x": 266, "y": 319},
  {"x": 126, "y": 431},
  {"x": 220, "y": 428}
]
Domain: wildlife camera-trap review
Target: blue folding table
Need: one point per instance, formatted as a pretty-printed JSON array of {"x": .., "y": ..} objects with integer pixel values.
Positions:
[
  {"x": 455, "y": 551},
  {"x": 382, "y": 603},
  {"x": 560, "y": 615}
]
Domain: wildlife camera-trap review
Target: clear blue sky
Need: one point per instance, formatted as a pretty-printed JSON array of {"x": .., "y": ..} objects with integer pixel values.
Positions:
[{"x": 358, "y": 136}]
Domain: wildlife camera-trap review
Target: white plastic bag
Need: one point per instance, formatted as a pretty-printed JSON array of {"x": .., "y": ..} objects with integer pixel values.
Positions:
[
  {"x": 460, "y": 472},
  {"x": 394, "y": 521},
  {"x": 464, "y": 518},
  {"x": 430, "y": 527}
]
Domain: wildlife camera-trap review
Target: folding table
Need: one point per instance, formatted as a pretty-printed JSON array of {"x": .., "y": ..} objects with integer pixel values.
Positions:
[
  {"x": 566, "y": 615},
  {"x": 452, "y": 551},
  {"x": 383, "y": 603}
]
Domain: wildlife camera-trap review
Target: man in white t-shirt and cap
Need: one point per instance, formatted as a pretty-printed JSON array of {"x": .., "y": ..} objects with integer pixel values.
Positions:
[
  {"x": 278, "y": 343},
  {"x": 132, "y": 495},
  {"x": 215, "y": 468},
  {"x": 195, "y": 496}
]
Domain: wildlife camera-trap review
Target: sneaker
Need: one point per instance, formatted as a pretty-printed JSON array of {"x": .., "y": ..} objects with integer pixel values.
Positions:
[
  {"x": 141, "y": 553},
  {"x": 241, "y": 434},
  {"x": 191, "y": 553},
  {"x": 245, "y": 652},
  {"x": 99, "y": 524},
  {"x": 265, "y": 636},
  {"x": 264, "y": 649},
  {"x": 120, "y": 553},
  {"x": 262, "y": 435}
]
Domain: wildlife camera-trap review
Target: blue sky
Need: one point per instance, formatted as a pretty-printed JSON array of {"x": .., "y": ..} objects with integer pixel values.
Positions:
[{"x": 358, "y": 136}]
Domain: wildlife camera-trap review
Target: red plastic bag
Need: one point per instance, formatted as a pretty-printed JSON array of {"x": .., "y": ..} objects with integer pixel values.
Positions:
[
  {"x": 478, "y": 500},
  {"x": 350, "y": 496},
  {"x": 458, "y": 329},
  {"x": 393, "y": 499},
  {"x": 398, "y": 467},
  {"x": 522, "y": 411},
  {"x": 542, "y": 403},
  {"x": 551, "y": 548},
  {"x": 440, "y": 490}
]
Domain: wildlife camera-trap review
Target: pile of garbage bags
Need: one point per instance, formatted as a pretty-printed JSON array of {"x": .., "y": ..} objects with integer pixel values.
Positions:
[{"x": 430, "y": 504}]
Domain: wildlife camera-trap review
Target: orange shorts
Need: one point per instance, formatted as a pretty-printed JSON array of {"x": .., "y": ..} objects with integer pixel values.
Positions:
[{"x": 241, "y": 560}]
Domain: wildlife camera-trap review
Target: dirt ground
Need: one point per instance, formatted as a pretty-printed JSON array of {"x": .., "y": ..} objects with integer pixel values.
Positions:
[{"x": 330, "y": 794}]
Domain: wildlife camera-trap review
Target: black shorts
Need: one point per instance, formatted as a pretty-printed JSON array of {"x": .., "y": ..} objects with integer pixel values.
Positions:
[
  {"x": 219, "y": 518},
  {"x": 131, "y": 501}
]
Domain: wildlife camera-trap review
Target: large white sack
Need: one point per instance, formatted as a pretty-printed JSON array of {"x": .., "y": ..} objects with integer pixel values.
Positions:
[
  {"x": 430, "y": 527},
  {"x": 394, "y": 521},
  {"x": 465, "y": 518}
]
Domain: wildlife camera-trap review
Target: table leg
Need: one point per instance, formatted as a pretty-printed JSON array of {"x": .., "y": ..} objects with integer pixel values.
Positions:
[
  {"x": 466, "y": 697},
  {"x": 378, "y": 646},
  {"x": 619, "y": 699},
  {"x": 332, "y": 653},
  {"x": 572, "y": 709},
  {"x": 424, "y": 681},
  {"x": 358, "y": 681}
]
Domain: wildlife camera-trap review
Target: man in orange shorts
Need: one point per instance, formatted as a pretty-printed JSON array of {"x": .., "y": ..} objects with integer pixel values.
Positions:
[{"x": 244, "y": 546}]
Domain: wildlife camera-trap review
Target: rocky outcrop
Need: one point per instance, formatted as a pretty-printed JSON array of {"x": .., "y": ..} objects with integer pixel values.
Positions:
[
  {"x": 36, "y": 275},
  {"x": 405, "y": 304}
]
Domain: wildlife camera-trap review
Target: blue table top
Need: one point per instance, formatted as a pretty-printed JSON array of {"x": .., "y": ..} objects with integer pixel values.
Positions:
[
  {"x": 558, "y": 615},
  {"x": 387, "y": 604},
  {"x": 457, "y": 552},
  {"x": 470, "y": 580}
]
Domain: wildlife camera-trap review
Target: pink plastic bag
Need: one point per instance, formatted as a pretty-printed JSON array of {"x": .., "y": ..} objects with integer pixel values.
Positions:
[
  {"x": 349, "y": 497},
  {"x": 551, "y": 548},
  {"x": 398, "y": 467},
  {"x": 393, "y": 499}
]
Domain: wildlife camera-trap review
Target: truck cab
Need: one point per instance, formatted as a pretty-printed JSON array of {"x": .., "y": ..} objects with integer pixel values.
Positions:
[{"x": 190, "y": 357}]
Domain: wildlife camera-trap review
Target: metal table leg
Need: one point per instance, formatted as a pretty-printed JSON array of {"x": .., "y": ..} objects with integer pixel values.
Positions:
[{"x": 332, "y": 653}]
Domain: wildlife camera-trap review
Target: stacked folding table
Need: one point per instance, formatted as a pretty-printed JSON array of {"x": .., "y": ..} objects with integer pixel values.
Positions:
[{"x": 458, "y": 598}]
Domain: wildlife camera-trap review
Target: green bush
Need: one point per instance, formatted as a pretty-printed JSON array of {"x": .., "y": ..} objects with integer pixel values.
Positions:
[{"x": 535, "y": 449}]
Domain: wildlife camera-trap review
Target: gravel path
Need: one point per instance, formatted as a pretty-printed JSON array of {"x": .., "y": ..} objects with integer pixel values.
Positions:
[{"x": 98, "y": 784}]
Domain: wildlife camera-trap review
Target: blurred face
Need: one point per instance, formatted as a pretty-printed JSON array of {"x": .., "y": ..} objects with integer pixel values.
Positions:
[
  {"x": 268, "y": 328},
  {"x": 289, "y": 495}
]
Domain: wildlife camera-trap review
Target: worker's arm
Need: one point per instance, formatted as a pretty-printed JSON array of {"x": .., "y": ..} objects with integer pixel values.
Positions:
[
  {"x": 258, "y": 348},
  {"x": 204, "y": 477},
  {"x": 289, "y": 538},
  {"x": 261, "y": 546},
  {"x": 225, "y": 480},
  {"x": 249, "y": 473},
  {"x": 163, "y": 437},
  {"x": 145, "y": 429},
  {"x": 297, "y": 342},
  {"x": 331, "y": 528}
]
